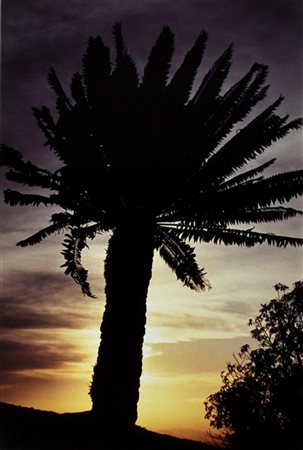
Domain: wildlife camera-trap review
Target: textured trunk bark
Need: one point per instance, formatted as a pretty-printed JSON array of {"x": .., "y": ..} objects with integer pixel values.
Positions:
[{"x": 116, "y": 378}]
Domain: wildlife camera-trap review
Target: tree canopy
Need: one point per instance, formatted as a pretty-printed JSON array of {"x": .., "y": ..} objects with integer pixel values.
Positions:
[
  {"x": 137, "y": 147},
  {"x": 260, "y": 402}
]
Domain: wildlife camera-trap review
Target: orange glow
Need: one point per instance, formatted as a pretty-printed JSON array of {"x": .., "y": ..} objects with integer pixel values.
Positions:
[{"x": 189, "y": 336}]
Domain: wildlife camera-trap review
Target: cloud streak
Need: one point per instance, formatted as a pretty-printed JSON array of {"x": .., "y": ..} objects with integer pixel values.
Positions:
[
  {"x": 46, "y": 328},
  {"x": 28, "y": 317},
  {"x": 195, "y": 357},
  {"x": 17, "y": 356}
]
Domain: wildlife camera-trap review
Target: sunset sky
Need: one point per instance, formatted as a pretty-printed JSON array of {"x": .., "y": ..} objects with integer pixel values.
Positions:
[{"x": 49, "y": 331}]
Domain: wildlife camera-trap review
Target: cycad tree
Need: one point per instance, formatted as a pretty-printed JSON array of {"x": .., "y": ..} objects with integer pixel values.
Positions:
[{"x": 151, "y": 163}]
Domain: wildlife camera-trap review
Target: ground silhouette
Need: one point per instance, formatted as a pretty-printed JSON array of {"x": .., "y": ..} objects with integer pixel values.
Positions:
[{"x": 31, "y": 429}]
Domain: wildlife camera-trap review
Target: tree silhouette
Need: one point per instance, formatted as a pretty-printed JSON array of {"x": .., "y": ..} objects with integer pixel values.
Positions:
[
  {"x": 144, "y": 160},
  {"x": 260, "y": 402}
]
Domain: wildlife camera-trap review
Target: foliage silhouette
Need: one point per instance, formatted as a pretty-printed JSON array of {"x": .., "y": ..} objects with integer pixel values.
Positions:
[
  {"x": 260, "y": 402},
  {"x": 148, "y": 162}
]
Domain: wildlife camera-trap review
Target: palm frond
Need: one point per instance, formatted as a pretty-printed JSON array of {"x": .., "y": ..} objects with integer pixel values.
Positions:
[
  {"x": 211, "y": 85},
  {"x": 246, "y": 145},
  {"x": 46, "y": 123},
  {"x": 221, "y": 114},
  {"x": 236, "y": 103},
  {"x": 33, "y": 178},
  {"x": 257, "y": 73},
  {"x": 25, "y": 172},
  {"x": 229, "y": 236},
  {"x": 63, "y": 219},
  {"x": 181, "y": 258},
  {"x": 9, "y": 157},
  {"x": 254, "y": 93},
  {"x": 227, "y": 215},
  {"x": 262, "y": 193},
  {"x": 63, "y": 101},
  {"x": 262, "y": 215},
  {"x": 77, "y": 89},
  {"x": 157, "y": 69},
  {"x": 96, "y": 68},
  {"x": 210, "y": 205},
  {"x": 73, "y": 245},
  {"x": 125, "y": 75},
  {"x": 248, "y": 216},
  {"x": 59, "y": 222},
  {"x": 248, "y": 175},
  {"x": 40, "y": 235},
  {"x": 119, "y": 43},
  {"x": 14, "y": 198},
  {"x": 179, "y": 89}
]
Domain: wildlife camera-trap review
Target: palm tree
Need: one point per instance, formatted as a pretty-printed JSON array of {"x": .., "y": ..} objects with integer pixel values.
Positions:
[{"x": 150, "y": 163}]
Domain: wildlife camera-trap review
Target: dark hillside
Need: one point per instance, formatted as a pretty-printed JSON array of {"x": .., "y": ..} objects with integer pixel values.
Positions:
[{"x": 31, "y": 429}]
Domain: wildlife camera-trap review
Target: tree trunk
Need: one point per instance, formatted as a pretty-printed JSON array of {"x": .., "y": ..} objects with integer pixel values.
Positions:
[{"x": 116, "y": 378}]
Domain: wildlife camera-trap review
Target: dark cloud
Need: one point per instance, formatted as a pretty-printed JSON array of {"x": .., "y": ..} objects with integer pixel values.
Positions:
[
  {"x": 37, "y": 369},
  {"x": 16, "y": 317},
  {"x": 39, "y": 300},
  {"x": 39, "y": 286},
  {"x": 42, "y": 314},
  {"x": 19, "y": 356}
]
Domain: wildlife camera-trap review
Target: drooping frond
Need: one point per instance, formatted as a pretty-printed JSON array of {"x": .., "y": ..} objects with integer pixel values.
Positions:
[
  {"x": 96, "y": 67},
  {"x": 9, "y": 157},
  {"x": 180, "y": 257},
  {"x": 179, "y": 88},
  {"x": 73, "y": 245},
  {"x": 14, "y": 198},
  {"x": 248, "y": 175},
  {"x": 25, "y": 172},
  {"x": 40, "y": 235},
  {"x": 157, "y": 69},
  {"x": 32, "y": 178},
  {"x": 230, "y": 236},
  {"x": 59, "y": 222}
]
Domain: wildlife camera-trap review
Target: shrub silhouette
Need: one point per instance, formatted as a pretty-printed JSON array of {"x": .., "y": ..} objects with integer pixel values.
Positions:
[
  {"x": 260, "y": 402},
  {"x": 145, "y": 161}
]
